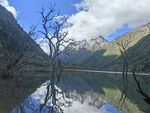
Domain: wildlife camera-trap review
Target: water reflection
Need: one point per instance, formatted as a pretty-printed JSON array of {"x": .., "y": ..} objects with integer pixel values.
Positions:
[
  {"x": 79, "y": 103},
  {"x": 82, "y": 93},
  {"x": 109, "y": 87}
]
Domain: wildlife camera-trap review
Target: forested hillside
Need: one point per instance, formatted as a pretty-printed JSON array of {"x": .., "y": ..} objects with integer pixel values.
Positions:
[
  {"x": 109, "y": 57},
  {"x": 17, "y": 48}
]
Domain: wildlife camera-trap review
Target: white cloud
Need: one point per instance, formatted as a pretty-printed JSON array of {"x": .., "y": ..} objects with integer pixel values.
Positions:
[
  {"x": 5, "y": 4},
  {"x": 102, "y": 17},
  {"x": 76, "y": 107}
]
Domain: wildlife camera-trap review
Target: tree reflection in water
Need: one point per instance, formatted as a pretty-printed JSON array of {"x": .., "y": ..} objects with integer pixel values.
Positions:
[
  {"x": 46, "y": 99},
  {"x": 55, "y": 99}
]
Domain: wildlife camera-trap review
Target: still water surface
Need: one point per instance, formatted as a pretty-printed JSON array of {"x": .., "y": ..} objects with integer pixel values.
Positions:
[{"x": 86, "y": 92}]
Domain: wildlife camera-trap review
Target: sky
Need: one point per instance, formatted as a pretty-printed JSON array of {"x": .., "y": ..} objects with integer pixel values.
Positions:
[{"x": 89, "y": 18}]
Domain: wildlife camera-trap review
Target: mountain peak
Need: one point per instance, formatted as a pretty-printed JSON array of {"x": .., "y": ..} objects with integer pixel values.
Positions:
[
  {"x": 93, "y": 44},
  {"x": 80, "y": 44},
  {"x": 97, "y": 43}
]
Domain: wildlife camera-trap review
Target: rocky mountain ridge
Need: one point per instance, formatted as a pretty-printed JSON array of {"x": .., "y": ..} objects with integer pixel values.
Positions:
[
  {"x": 108, "y": 57},
  {"x": 93, "y": 44},
  {"x": 80, "y": 50}
]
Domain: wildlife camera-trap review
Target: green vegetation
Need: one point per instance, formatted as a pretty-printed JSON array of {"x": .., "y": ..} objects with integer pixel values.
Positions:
[
  {"x": 109, "y": 56},
  {"x": 110, "y": 88},
  {"x": 138, "y": 56},
  {"x": 14, "y": 41},
  {"x": 17, "y": 48},
  {"x": 13, "y": 93}
]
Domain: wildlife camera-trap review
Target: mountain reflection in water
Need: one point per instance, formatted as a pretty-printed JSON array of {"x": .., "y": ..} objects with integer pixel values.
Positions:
[
  {"x": 86, "y": 92},
  {"x": 87, "y": 103}
]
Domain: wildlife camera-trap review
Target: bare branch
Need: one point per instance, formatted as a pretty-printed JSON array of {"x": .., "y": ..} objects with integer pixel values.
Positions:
[{"x": 53, "y": 32}]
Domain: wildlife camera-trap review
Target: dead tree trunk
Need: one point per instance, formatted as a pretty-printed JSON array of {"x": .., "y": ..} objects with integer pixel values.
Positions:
[
  {"x": 146, "y": 97},
  {"x": 53, "y": 32},
  {"x": 123, "y": 46}
]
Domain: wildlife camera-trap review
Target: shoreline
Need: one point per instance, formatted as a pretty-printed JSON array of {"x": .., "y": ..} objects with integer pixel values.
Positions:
[{"x": 109, "y": 72}]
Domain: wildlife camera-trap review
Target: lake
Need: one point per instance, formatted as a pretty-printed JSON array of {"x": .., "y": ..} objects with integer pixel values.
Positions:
[{"x": 84, "y": 92}]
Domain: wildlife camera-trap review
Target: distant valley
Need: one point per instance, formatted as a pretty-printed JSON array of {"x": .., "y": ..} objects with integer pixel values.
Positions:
[{"x": 102, "y": 55}]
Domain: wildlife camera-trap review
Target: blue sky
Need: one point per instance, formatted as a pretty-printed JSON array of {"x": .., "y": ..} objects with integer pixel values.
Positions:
[
  {"x": 28, "y": 10},
  {"x": 125, "y": 28},
  {"x": 89, "y": 18}
]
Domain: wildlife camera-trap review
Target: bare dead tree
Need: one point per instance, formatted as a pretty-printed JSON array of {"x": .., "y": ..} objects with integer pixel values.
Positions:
[
  {"x": 53, "y": 26},
  {"x": 123, "y": 50},
  {"x": 146, "y": 97},
  {"x": 123, "y": 46},
  {"x": 124, "y": 54}
]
